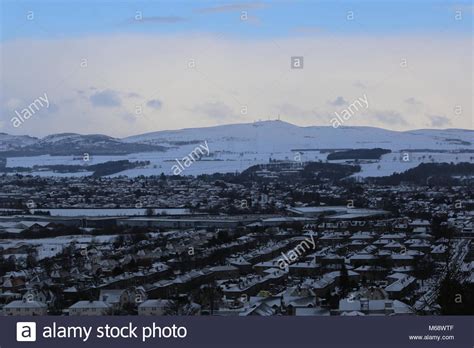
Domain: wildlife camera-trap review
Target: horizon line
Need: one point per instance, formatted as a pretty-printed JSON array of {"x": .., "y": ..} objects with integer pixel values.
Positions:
[{"x": 245, "y": 123}]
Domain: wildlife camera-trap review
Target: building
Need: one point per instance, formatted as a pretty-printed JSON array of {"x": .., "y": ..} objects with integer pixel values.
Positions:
[
  {"x": 25, "y": 308},
  {"x": 89, "y": 308},
  {"x": 154, "y": 307}
]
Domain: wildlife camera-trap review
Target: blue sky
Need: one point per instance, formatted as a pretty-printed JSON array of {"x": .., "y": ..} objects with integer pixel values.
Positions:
[
  {"x": 103, "y": 71},
  {"x": 271, "y": 19}
]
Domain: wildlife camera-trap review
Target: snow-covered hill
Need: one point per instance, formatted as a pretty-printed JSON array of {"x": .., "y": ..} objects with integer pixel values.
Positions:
[
  {"x": 69, "y": 144},
  {"x": 238, "y": 146},
  {"x": 274, "y": 136},
  {"x": 11, "y": 142}
]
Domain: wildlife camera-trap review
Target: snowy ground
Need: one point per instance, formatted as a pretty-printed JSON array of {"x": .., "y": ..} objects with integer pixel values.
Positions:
[
  {"x": 393, "y": 162},
  {"x": 231, "y": 162},
  {"x": 49, "y": 247},
  {"x": 110, "y": 212}
]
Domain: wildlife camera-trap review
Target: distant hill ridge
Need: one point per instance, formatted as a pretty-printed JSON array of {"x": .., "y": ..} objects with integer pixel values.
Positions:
[{"x": 259, "y": 137}]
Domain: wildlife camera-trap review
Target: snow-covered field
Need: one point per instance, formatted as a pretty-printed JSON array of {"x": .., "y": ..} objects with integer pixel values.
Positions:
[
  {"x": 49, "y": 247},
  {"x": 391, "y": 163},
  {"x": 110, "y": 212},
  {"x": 232, "y": 162}
]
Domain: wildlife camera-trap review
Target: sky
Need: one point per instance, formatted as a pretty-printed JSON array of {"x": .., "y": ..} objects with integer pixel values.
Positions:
[{"x": 126, "y": 67}]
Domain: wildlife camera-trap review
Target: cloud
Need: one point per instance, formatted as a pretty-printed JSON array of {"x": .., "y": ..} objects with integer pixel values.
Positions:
[
  {"x": 133, "y": 95},
  {"x": 413, "y": 101},
  {"x": 389, "y": 118},
  {"x": 438, "y": 121},
  {"x": 339, "y": 101},
  {"x": 107, "y": 98},
  {"x": 129, "y": 118},
  {"x": 232, "y": 7},
  {"x": 359, "y": 84},
  {"x": 216, "y": 110},
  {"x": 154, "y": 104}
]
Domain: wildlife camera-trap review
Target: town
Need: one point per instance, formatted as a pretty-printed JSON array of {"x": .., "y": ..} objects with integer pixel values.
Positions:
[{"x": 215, "y": 244}]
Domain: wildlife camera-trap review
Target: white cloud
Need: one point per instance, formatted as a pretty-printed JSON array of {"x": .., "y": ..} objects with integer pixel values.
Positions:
[
  {"x": 438, "y": 121},
  {"x": 339, "y": 101},
  {"x": 217, "y": 111},
  {"x": 154, "y": 104},
  {"x": 107, "y": 98}
]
